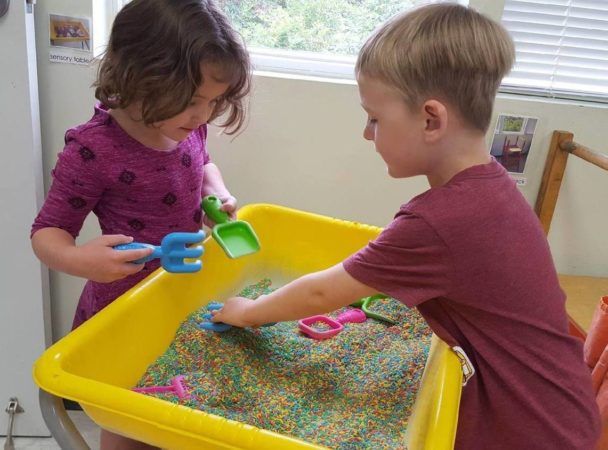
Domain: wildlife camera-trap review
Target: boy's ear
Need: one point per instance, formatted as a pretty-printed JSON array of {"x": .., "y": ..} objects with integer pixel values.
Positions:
[{"x": 436, "y": 118}]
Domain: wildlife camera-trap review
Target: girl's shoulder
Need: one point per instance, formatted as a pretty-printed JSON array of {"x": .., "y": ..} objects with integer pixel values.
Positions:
[
  {"x": 91, "y": 149},
  {"x": 97, "y": 133}
]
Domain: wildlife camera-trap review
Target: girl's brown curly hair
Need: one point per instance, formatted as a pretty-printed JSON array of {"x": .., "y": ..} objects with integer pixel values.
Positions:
[{"x": 155, "y": 53}]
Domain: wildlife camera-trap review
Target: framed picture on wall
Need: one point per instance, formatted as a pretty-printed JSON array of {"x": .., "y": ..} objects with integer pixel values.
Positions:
[
  {"x": 512, "y": 141},
  {"x": 70, "y": 32}
]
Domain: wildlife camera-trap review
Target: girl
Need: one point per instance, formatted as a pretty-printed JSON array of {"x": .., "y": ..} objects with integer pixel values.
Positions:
[{"x": 141, "y": 163}]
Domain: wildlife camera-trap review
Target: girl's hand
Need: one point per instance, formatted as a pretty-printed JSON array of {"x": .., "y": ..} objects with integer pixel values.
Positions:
[
  {"x": 228, "y": 205},
  {"x": 98, "y": 261},
  {"x": 235, "y": 312}
]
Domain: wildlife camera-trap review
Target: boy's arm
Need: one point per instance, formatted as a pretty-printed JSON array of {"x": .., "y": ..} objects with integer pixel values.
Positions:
[{"x": 315, "y": 293}]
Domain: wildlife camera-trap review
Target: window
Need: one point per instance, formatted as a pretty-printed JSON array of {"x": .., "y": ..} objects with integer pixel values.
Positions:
[
  {"x": 511, "y": 124},
  {"x": 561, "y": 45},
  {"x": 562, "y": 48},
  {"x": 320, "y": 37}
]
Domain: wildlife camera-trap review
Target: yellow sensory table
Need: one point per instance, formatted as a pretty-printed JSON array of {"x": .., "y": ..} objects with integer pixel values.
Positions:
[{"x": 97, "y": 364}]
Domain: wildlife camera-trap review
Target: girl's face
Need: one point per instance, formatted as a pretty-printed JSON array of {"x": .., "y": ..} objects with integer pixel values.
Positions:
[
  {"x": 178, "y": 127},
  {"x": 396, "y": 131}
]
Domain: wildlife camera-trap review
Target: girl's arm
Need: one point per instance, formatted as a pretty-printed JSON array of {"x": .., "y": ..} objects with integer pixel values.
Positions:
[
  {"x": 95, "y": 260},
  {"x": 213, "y": 184},
  {"x": 312, "y": 294}
]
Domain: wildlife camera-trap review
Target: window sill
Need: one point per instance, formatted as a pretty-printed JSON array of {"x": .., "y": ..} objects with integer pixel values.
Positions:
[{"x": 503, "y": 94}]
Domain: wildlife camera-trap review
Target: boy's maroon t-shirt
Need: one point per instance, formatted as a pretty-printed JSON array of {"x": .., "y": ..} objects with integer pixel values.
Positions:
[{"x": 472, "y": 257}]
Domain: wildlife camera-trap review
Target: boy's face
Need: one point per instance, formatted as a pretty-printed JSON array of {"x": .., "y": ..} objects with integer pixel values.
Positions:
[
  {"x": 396, "y": 131},
  {"x": 177, "y": 128}
]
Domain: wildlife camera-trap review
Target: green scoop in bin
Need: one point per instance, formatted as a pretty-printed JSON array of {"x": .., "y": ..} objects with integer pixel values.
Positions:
[{"x": 236, "y": 237}]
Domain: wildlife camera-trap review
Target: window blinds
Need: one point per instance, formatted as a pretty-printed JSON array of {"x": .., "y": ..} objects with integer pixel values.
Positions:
[{"x": 561, "y": 47}]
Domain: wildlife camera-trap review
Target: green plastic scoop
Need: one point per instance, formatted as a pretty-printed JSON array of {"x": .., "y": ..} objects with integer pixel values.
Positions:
[
  {"x": 236, "y": 237},
  {"x": 365, "y": 304}
]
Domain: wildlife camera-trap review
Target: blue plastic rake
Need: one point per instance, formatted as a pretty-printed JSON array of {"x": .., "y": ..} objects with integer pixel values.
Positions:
[
  {"x": 172, "y": 251},
  {"x": 213, "y": 326},
  {"x": 218, "y": 327}
]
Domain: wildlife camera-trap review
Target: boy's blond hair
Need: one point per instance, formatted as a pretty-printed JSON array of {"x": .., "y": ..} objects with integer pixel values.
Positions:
[{"x": 446, "y": 51}]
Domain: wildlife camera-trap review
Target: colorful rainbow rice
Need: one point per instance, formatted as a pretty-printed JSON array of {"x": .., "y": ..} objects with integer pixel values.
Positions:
[{"x": 352, "y": 391}]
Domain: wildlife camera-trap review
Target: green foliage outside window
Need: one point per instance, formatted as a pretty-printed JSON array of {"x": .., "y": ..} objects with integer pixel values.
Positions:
[
  {"x": 324, "y": 26},
  {"x": 513, "y": 124}
]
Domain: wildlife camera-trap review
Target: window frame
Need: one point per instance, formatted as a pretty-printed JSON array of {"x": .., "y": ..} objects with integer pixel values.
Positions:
[
  {"x": 336, "y": 68},
  {"x": 309, "y": 64}
]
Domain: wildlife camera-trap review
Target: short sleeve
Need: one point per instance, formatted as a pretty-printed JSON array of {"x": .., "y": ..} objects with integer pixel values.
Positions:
[
  {"x": 75, "y": 190},
  {"x": 408, "y": 261}
]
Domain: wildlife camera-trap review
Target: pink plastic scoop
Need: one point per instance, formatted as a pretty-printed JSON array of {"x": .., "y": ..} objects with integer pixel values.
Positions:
[
  {"x": 176, "y": 386},
  {"x": 335, "y": 325}
]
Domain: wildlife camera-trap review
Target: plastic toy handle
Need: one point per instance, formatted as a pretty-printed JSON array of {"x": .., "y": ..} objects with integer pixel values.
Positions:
[
  {"x": 365, "y": 304},
  {"x": 219, "y": 327},
  {"x": 352, "y": 316},
  {"x": 137, "y": 245},
  {"x": 176, "y": 386},
  {"x": 211, "y": 205}
]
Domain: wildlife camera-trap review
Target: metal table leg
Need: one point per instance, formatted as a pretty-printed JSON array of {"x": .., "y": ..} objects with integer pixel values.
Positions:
[{"x": 59, "y": 423}]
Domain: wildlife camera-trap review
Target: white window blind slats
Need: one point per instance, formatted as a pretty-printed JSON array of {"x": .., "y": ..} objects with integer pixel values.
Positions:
[
  {"x": 531, "y": 51},
  {"x": 585, "y": 48},
  {"x": 526, "y": 18},
  {"x": 561, "y": 47},
  {"x": 594, "y": 5},
  {"x": 589, "y": 14},
  {"x": 599, "y": 5},
  {"x": 534, "y": 6},
  {"x": 568, "y": 62}
]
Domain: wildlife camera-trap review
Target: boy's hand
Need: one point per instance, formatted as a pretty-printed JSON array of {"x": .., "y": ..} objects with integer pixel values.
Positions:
[
  {"x": 235, "y": 312},
  {"x": 98, "y": 261}
]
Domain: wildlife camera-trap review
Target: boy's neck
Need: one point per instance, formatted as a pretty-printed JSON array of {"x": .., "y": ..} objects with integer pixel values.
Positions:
[{"x": 461, "y": 151}]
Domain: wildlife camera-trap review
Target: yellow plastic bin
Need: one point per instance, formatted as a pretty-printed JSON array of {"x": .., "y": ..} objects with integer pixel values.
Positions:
[{"x": 97, "y": 364}]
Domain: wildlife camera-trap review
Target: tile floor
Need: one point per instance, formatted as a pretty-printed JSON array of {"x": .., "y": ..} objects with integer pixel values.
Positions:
[{"x": 89, "y": 430}]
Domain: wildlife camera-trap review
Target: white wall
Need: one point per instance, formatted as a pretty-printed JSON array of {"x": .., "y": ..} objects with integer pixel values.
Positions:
[
  {"x": 65, "y": 100},
  {"x": 24, "y": 298},
  {"x": 303, "y": 148}
]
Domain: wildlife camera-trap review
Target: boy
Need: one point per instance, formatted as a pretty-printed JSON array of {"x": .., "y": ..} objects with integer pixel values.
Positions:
[{"x": 469, "y": 253}]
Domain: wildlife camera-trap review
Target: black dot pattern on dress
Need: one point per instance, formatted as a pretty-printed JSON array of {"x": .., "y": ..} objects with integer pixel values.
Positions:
[
  {"x": 186, "y": 160},
  {"x": 77, "y": 202},
  {"x": 136, "y": 224},
  {"x": 86, "y": 154},
  {"x": 198, "y": 216},
  {"x": 169, "y": 199},
  {"x": 127, "y": 177}
]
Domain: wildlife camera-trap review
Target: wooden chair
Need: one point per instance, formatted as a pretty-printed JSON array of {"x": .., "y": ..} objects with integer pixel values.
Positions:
[{"x": 562, "y": 145}]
